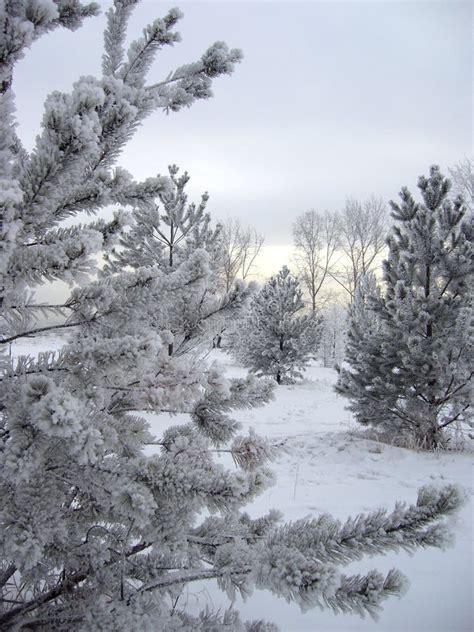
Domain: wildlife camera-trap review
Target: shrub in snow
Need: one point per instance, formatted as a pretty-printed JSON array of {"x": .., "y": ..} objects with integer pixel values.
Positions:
[
  {"x": 95, "y": 534},
  {"x": 410, "y": 346},
  {"x": 275, "y": 339}
]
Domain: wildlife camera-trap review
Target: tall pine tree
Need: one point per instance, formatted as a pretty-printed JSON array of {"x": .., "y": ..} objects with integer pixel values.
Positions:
[{"x": 411, "y": 360}]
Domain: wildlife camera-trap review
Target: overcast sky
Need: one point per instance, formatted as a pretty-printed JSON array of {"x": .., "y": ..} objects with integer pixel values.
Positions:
[{"x": 333, "y": 99}]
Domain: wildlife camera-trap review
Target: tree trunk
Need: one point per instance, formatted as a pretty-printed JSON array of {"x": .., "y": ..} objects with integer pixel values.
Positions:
[
  {"x": 278, "y": 377},
  {"x": 429, "y": 326},
  {"x": 432, "y": 438}
]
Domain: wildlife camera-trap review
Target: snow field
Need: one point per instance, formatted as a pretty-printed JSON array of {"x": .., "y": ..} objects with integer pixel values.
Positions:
[{"x": 324, "y": 468}]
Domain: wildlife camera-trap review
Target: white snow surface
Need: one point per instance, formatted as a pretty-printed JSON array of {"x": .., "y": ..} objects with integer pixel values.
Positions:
[{"x": 325, "y": 468}]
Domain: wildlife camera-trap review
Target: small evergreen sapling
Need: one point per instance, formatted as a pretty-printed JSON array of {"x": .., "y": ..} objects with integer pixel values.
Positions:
[
  {"x": 410, "y": 347},
  {"x": 96, "y": 533},
  {"x": 276, "y": 339}
]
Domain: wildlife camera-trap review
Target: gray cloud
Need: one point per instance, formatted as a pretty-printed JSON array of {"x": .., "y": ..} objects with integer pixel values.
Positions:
[{"x": 333, "y": 99}]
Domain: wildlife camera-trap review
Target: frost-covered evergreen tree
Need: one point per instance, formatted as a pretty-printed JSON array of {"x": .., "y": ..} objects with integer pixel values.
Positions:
[
  {"x": 411, "y": 348},
  {"x": 363, "y": 354},
  {"x": 165, "y": 235},
  {"x": 97, "y": 532},
  {"x": 276, "y": 339}
]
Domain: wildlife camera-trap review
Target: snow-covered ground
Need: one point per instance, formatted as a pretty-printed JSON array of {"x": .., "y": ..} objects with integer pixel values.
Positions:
[{"x": 325, "y": 468}]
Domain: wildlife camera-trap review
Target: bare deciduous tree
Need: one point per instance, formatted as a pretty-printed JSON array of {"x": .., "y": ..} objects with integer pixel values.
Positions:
[
  {"x": 240, "y": 249},
  {"x": 316, "y": 237},
  {"x": 362, "y": 228},
  {"x": 333, "y": 335},
  {"x": 462, "y": 178}
]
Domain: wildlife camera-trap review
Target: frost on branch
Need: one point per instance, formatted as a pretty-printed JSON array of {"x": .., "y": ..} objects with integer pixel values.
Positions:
[
  {"x": 210, "y": 413},
  {"x": 22, "y": 22},
  {"x": 251, "y": 451},
  {"x": 300, "y": 561}
]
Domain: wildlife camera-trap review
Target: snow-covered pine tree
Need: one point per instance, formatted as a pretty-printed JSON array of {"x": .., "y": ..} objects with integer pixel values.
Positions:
[
  {"x": 164, "y": 235},
  {"x": 96, "y": 533},
  {"x": 363, "y": 354},
  {"x": 276, "y": 339},
  {"x": 411, "y": 348}
]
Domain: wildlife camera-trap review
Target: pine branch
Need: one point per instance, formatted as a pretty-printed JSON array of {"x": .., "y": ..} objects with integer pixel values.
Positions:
[
  {"x": 32, "y": 332},
  {"x": 173, "y": 579},
  {"x": 64, "y": 587},
  {"x": 175, "y": 79},
  {"x": 6, "y": 574}
]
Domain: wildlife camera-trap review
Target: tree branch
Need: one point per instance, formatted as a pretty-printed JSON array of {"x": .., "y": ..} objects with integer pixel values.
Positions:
[{"x": 31, "y": 332}]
